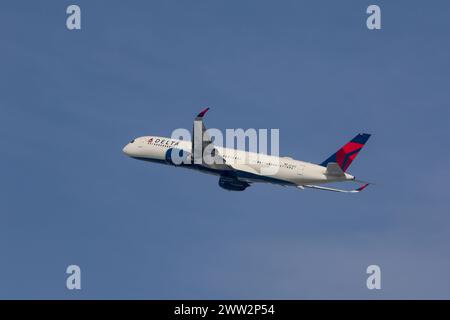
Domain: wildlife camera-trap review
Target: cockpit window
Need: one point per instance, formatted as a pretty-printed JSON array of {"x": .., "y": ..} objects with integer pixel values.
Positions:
[{"x": 132, "y": 141}]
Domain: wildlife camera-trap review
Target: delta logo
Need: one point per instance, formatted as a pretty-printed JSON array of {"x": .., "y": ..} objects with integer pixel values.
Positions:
[{"x": 164, "y": 142}]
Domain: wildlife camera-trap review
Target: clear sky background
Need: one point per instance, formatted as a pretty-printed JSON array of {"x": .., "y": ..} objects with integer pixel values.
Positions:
[{"x": 70, "y": 101}]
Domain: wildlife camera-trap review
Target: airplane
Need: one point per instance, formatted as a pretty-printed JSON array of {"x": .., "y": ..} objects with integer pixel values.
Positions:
[{"x": 236, "y": 173}]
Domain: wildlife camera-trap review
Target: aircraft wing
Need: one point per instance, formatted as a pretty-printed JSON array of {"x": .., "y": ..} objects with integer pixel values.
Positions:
[
  {"x": 333, "y": 189},
  {"x": 201, "y": 140},
  {"x": 219, "y": 162}
]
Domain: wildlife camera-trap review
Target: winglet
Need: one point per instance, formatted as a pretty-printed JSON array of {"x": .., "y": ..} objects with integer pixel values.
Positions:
[
  {"x": 362, "y": 187},
  {"x": 202, "y": 113}
]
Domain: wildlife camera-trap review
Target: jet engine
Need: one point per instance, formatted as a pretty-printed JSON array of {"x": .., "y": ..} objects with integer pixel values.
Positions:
[{"x": 232, "y": 184}]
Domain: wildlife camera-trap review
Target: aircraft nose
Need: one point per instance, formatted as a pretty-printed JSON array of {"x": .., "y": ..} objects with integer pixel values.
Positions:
[{"x": 126, "y": 149}]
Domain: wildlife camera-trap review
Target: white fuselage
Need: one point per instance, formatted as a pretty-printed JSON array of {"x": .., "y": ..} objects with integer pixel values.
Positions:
[{"x": 251, "y": 167}]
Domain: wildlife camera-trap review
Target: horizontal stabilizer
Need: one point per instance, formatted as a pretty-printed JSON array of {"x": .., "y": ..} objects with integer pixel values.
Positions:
[{"x": 333, "y": 169}]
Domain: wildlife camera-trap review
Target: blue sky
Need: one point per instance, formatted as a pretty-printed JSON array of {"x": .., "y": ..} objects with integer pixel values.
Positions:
[{"x": 70, "y": 100}]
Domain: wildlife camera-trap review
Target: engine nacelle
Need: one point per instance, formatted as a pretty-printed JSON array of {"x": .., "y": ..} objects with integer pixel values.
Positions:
[
  {"x": 178, "y": 157},
  {"x": 232, "y": 184}
]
